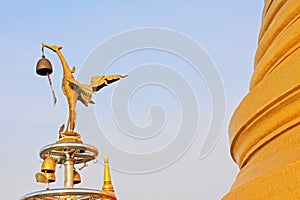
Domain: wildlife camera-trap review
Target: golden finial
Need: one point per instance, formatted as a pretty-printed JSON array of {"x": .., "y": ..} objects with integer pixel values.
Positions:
[{"x": 107, "y": 185}]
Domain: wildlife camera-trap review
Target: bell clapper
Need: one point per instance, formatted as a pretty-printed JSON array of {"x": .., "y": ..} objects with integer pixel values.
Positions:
[{"x": 52, "y": 90}]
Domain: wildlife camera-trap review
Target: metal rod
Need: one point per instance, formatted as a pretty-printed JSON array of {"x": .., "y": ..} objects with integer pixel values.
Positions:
[{"x": 69, "y": 171}]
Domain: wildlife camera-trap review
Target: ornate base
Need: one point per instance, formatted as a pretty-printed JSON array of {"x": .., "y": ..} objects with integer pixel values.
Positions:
[
  {"x": 69, "y": 136},
  {"x": 70, "y": 194},
  {"x": 69, "y": 139},
  {"x": 83, "y": 152}
]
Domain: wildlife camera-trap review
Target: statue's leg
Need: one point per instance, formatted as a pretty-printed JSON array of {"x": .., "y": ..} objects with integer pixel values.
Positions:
[
  {"x": 72, "y": 112},
  {"x": 72, "y": 120}
]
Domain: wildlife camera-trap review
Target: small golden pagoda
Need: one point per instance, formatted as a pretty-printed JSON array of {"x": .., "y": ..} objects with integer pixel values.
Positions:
[
  {"x": 69, "y": 150},
  {"x": 265, "y": 128}
]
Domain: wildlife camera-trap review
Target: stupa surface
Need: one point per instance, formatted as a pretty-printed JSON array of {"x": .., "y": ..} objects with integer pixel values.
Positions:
[{"x": 264, "y": 130}]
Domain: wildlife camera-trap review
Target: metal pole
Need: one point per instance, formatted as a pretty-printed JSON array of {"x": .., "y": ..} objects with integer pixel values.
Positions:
[{"x": 69, "y": 171}]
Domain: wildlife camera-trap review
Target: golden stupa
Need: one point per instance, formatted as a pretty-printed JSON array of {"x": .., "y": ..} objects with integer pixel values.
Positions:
[{"x": 265, "y": 128}]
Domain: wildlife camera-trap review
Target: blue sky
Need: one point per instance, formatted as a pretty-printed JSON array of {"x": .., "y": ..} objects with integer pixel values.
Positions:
[{"x": 227, "y": 30}]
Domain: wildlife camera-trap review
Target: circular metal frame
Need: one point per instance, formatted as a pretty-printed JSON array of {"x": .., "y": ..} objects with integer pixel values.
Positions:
[
  {"x": 70, "y": 194},
  {"x": 82, "y": 152}
]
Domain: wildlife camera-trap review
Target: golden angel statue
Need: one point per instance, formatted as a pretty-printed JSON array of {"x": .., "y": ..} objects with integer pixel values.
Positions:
[{"x": 72, "y": 89}]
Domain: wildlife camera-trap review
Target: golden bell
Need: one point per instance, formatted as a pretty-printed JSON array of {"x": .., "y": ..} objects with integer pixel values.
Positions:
[
  {"x": 50, "y": 177},
  {"x": 77, "y": 178},
  {"x": 44, "y": 67},
  {"x": 48, "y": 165},
  {"x": 41, "y": 178},
  {"x": 45, "y": 177}
]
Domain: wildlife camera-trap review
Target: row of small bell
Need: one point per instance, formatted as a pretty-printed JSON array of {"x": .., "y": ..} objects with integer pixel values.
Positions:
[{"x": 47, "y": 174}]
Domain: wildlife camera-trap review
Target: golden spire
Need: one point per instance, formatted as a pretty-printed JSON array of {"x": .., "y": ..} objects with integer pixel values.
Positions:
[{"x": 107, "y": 185}]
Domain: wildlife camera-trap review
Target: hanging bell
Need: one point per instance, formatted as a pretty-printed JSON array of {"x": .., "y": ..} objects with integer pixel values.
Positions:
[
  {"x": 44, "y": 67},
  {"x": 50, "y": 177},
  {"x": 77, "y": 178},
  {"x": 48, "y": 165},
  {"x": 41, "y": 178},
  {"x": 45, "y": 177}
]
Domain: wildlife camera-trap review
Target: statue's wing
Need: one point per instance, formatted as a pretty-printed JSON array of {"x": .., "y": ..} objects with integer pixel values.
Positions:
[
  {"x": 85, "y": 95},
  {"x": 98, "y": 82},
  {"x": 84, "y": 91}
]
